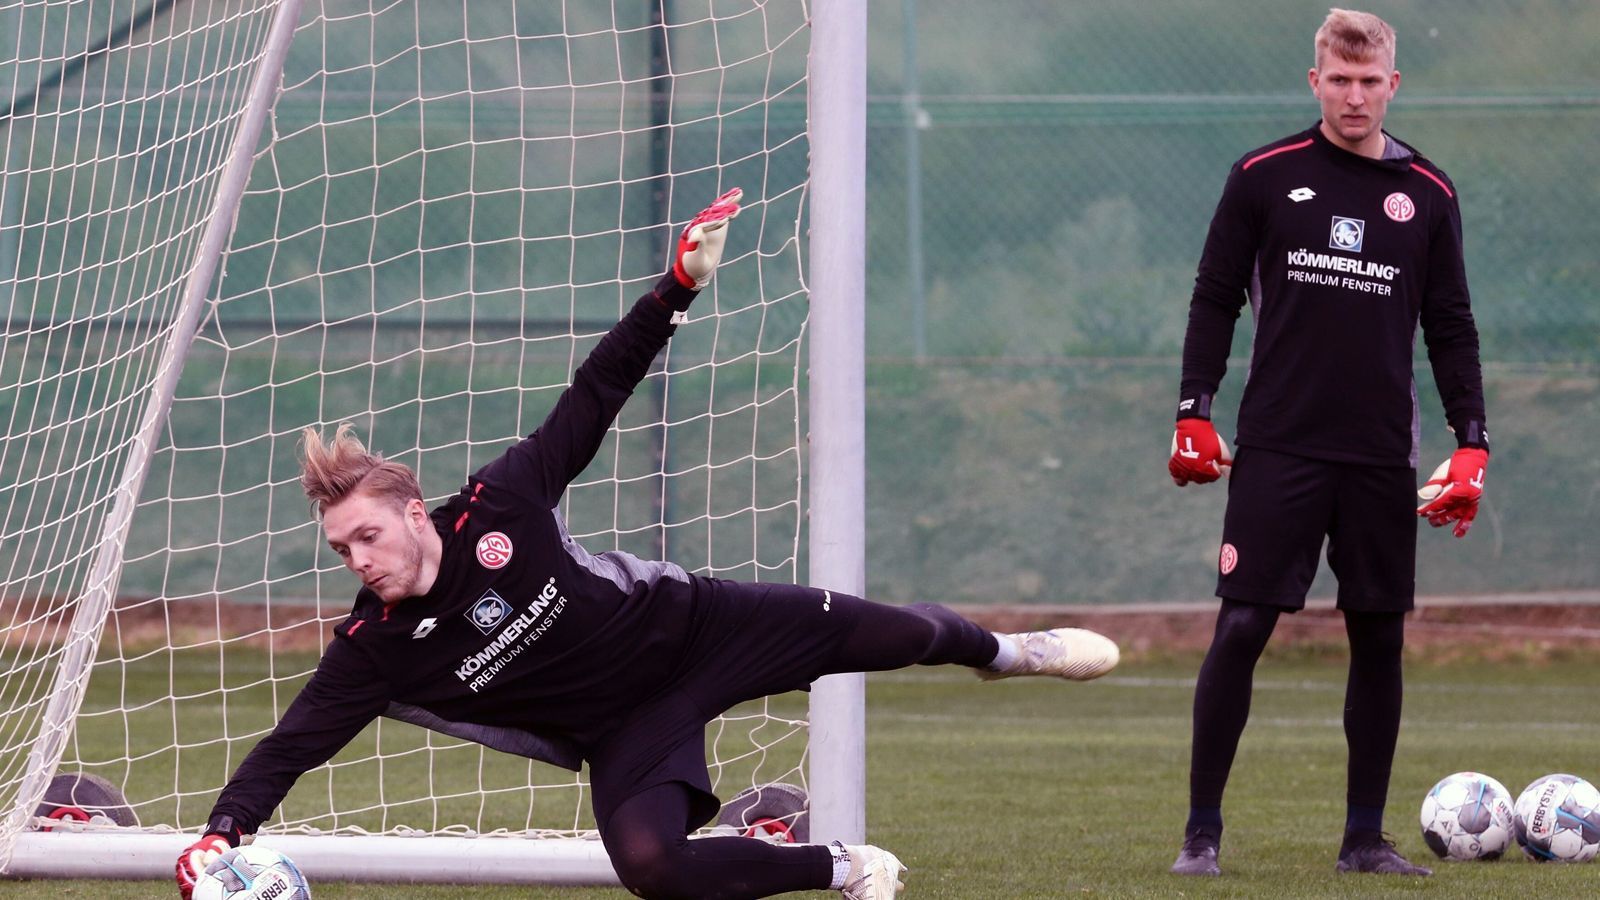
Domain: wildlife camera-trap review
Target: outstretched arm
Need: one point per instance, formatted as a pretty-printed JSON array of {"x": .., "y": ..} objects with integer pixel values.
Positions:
[
  {"x": 333, "y": 707},
  {"x": 541, "y": 466}
]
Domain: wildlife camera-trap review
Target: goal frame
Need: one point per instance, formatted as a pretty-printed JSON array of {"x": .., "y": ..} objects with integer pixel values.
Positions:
[{"x": 836, "y": 131}]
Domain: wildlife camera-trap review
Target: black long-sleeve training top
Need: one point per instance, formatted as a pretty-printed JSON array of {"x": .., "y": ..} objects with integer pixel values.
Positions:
[
  {"x": 523, "y": 628},
  {"x": 1340, "y": 256}
]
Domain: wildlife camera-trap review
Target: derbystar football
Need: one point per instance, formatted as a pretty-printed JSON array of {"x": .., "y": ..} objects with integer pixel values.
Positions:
[
  {"x": 252, "y": 872},
  {"x": 1467, "y": 815},
  {"x": 1558, "y": 819}
]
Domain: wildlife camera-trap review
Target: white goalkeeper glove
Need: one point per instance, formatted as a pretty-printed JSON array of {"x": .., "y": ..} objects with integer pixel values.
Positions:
[
  {"x": 700, "y": 245},
  {"x": 194, "y": 860}
]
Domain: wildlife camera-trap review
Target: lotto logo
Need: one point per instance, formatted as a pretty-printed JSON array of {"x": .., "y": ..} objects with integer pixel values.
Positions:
[
  {"x": 488, "y": 612},
  {"x": 1347, "y": 234},
  {"x": 494, "y": 550}
]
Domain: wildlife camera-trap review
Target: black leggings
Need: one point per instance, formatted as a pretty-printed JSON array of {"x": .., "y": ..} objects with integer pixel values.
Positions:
[
  {"x": 922, "y": 634},
  {"x": 647, "y": 835},
  {"x": 1371, "y": 706},
  {"x": 647, "y": 841}
]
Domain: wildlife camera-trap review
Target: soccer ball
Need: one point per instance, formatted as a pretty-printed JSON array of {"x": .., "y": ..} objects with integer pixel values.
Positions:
[
  {"x": 252, "y": 872},
  {"x": 1558, "y": 818},
  {"x": 1467, "y": 815}
]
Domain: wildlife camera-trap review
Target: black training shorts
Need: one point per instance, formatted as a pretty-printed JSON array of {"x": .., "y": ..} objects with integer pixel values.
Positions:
[
  {"x": 1281, "y": 506},
  {"x": 746, "y": 641}
]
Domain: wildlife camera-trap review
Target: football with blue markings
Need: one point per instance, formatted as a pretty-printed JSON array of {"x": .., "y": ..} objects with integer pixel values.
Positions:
[
  {"x": 252, "y": 872},
  {"x": 1467, "y": 816},
  {"x": 1558, "y": 819}
]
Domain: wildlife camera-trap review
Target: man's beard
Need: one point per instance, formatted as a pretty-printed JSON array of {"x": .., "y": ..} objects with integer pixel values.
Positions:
[{"x": 403, "y": 578}]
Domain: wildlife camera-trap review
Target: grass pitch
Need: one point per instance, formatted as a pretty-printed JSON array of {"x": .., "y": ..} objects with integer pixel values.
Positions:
[{"x": 1035, "y": 789}]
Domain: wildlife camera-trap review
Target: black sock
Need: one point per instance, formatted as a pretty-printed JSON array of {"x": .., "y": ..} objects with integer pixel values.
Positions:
[
  {"x": 1363, "y": 819},
  {"x": 1354, "y": 838},
  {"x": 1203, "y": 818}
]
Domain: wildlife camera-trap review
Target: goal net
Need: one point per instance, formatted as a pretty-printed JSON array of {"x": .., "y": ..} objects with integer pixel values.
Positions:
[{"x": 223, "y": 222}]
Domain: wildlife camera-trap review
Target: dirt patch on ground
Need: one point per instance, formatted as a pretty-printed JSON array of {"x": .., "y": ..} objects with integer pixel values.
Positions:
[
  {"x": 1437, "y": 630},
  {"x": 135, "y": 624}
]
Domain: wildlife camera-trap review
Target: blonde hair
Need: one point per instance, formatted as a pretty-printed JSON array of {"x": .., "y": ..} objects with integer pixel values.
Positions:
[
  {"x": 332, "y": 471},
  {"x": 1356, "y": 36}
]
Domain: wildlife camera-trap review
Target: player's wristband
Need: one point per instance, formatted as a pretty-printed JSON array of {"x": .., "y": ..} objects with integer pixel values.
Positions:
[
  {"x": 226, "y": 828},
  {"x": 1194, "y": 406},
  {"x": 673, "y": 295},
  {"x": 1471, "y": 433}
]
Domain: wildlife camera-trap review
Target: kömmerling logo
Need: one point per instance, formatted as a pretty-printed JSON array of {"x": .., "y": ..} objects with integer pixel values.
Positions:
[
  {"x": 488, "y": 612},
  {"x": 1346, "y": 234}
]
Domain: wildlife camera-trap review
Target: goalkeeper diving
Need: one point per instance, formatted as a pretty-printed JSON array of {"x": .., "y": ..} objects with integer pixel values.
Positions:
[{"x": 484, "y": 618}]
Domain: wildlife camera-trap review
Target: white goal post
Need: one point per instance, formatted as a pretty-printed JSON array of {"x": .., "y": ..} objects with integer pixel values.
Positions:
[{"x": 223, "y": 222}]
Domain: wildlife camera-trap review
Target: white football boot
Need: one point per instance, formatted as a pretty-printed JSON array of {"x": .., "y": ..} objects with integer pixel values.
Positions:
[
  {"x": 874, "y": 874},
  {"x": 1076, "y": 654}
]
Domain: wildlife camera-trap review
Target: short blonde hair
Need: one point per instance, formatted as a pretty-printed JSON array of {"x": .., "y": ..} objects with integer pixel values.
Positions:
[
  {"x": 1356, "y": 36},
  {"x": 332, "y": 471}
]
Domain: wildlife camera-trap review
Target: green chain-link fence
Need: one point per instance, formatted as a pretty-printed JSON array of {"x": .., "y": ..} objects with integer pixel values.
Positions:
[
  {"x": 1071, "y": 154},
  {"x": 1041, "y": 174}
]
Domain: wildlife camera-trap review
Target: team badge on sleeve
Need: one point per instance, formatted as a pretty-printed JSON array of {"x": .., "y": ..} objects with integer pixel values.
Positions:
[
  {"x": 494, "y": 550},
  {"x": 1399, "y": 207}
]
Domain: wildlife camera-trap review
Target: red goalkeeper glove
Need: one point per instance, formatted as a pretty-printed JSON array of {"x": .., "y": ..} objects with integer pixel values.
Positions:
[
  {"x": 700, "y": 245},
  {"x": 1198, "y": 453},
  {"x": 1452, "y": 493},
  {"x": 194, "y": 860}
]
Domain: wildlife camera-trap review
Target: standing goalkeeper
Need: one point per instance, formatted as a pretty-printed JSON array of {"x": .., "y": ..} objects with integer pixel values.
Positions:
[
  {"x": 486, "y": 620},
  {"x": 1343, "y": 239}
]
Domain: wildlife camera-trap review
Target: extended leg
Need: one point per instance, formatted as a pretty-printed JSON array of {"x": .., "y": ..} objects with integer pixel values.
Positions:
[{"x": 892, "y": 637}]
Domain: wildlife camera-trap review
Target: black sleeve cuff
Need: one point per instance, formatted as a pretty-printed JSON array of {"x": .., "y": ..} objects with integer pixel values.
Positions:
[
  {"x": 673, "y": 295},
  {"x": 1471, "y": 433},
  {"x": 225, "y": 826},
  {"x": 1194, "y": 406}
]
